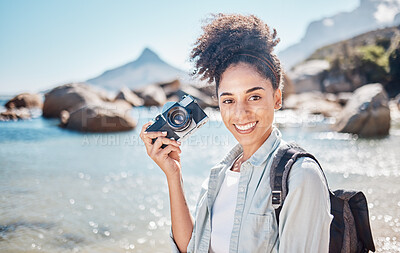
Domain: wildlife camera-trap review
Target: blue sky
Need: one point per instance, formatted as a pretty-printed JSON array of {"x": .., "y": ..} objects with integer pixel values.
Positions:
[{"x": 48, "y": 43}]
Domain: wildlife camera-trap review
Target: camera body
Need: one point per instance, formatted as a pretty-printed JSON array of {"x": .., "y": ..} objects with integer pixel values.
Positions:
[{"x": 179, "y": 119}]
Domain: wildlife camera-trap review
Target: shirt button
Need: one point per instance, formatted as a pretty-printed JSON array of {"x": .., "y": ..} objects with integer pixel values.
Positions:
[
  {"x": 237, "y": 221},
  {"x": 241, "y": 189}
]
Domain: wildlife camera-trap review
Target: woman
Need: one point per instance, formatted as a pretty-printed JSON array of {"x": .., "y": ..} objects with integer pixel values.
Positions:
[{"x": 234, "y": 212}]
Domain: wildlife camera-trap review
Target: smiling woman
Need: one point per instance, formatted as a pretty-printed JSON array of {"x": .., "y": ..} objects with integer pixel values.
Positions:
[
  {"x": 234, "y": 212},
  {"x": 247, "y": 101}
]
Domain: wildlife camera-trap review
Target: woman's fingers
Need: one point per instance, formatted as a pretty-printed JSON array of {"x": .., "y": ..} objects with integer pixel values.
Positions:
[
  {"x": 144, "y": 127},
  {"x": 153, "y": 135},
  {"x": 142, "y": 132},
  {"x": 167, "y": 158},
  {"x": 163, "y": 140},
  {"x": 170, "y": 148},
  {"x": 148, "y": 136}
]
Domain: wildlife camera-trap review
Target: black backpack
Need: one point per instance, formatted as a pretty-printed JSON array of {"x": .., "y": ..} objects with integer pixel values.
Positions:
[{"x": 350, "y": 230}]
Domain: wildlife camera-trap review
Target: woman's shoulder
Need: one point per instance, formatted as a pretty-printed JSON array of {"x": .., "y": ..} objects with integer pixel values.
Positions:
[{"x": 306, "y": 171}]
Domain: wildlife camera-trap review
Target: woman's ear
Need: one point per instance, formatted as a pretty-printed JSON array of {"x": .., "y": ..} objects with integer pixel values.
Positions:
[{"x": 278, "y": 99}]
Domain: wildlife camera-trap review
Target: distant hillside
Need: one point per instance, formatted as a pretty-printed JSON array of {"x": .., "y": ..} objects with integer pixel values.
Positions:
[
  {"x": 368, "y": 16},
  {"x": 386, "y": 37},
  {"x": 146, "y": 69},
  {"x": 372, "y": 57}
]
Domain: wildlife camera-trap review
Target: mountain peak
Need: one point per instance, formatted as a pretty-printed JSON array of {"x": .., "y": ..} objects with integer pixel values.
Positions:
[
  {"x": 148, "y": 68},
  {"x": 148, "y": 55}
]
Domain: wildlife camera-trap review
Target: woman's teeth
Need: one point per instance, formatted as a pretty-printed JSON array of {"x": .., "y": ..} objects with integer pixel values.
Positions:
[{"x": 245, "y": 127}]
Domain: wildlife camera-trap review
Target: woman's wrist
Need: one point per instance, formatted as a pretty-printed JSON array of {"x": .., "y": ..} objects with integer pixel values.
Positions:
[{"x": 174, "y": 178}]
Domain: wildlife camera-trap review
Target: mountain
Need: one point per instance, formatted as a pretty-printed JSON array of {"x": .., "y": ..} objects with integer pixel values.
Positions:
[
  {"x": 371, "y": 57},
  {"x": 369, "y": 15},
  {"x": 388, "y": 38},
  {"x": 146, "y": 69}
]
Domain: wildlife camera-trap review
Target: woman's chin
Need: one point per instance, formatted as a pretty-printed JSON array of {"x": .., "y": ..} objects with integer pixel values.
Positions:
[
  {"x": 246, "y": 140},
  {"x": 253, "y": 138}
]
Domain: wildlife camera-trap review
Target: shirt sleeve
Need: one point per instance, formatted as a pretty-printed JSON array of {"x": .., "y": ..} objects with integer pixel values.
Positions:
[
  {"x": 174, "y": 247},
  {"x": 304, "y": 221}
]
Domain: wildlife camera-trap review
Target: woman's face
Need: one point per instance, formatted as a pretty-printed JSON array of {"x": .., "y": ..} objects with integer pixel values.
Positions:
[{"x": 247, "y": 102}]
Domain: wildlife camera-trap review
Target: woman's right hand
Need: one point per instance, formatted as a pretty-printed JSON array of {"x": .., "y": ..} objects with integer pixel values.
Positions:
[{"x": 168, "y": 158}]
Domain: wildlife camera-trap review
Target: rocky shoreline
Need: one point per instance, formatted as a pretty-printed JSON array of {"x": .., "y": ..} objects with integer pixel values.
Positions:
[
  {"x": 86, "y": 108},
  {"x": 82, "y": 107}
]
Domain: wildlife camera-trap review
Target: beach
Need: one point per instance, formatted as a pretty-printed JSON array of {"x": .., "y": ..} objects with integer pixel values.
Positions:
[{"x": 66, "y": 191}]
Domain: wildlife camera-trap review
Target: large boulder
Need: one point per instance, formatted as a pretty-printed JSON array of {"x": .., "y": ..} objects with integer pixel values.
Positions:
[
  {"x": 312, "y": 102},
  {"x": 22, "y": 106},
  {"x": 71, "y": 97},
  {"x": 106, "y": 117},
  {"x": 25, "y": 100},
  {"x": 15, "y": 114},
  {"x": 153, "y": 95},
  {"x": 308, "y": 75},
  {"x": 129, "y": 96},
  {"x": 366, "y": 113}
]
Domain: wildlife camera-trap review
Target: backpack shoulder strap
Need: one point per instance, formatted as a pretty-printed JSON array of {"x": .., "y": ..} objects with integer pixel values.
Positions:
[
  {"x": 283, "y": 161},
  {"x": 283, "y": 155}
]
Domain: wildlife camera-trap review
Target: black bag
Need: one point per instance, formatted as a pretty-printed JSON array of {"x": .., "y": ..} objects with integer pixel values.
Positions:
[{"x": 350, "y": 229}]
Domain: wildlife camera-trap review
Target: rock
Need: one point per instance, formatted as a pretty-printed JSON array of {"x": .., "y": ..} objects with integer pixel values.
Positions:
[
  {"x": 208, "y": 89},
  {"x": 394, "y": 113},
  {"x": 170, "y": 87},
  {"x": 71, "y": 97},
  {"x": 397, "y": 99},
  {"x": 153, "y": 95},
  {"x": 130, "y": 97},
  {"x": 312, "y": 102},
  {"x": 106, "y": 117},
  {"x": 26, "y": 100},
  {"x": 336, "y": 84},
  {"x": 307, "y": 76},
  {"x": 15, "y": 114},
  {"x": 340, "y": 98},
  {"x": 202, "y": 99},
  {"x": 344, "y": 97},
  {"x": 366, "y": 113},
  {"x": 64, "y": 117},
  {"x": 288, "y": 87}
]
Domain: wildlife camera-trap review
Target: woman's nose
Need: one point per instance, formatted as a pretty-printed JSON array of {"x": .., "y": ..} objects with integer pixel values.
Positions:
[{"x": 241, "y": 112}]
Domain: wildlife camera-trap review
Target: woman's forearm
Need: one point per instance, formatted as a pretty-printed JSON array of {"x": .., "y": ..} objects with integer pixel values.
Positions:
[{"x": 181, "y": 219}]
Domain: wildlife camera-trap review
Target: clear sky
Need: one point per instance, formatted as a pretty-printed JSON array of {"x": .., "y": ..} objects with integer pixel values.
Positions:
[{"x": 45, "y": 43}]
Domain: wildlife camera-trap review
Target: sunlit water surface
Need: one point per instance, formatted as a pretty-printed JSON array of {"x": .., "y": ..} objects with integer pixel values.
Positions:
[{"x": 63, "y": 191}]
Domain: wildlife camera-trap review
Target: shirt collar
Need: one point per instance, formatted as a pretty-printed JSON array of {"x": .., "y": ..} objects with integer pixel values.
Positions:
[
  {"x": 266, "y": 148},
  {"x": 262, "y": 152}
]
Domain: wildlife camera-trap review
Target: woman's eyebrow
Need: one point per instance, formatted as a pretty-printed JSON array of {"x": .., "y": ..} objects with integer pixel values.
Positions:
[
  {"x": 254, "y": 88},
  {"x": 248, "y": 91}
]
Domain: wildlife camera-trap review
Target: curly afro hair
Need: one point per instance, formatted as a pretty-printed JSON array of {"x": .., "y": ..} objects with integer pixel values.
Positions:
[{"x": 232, "y": 38}]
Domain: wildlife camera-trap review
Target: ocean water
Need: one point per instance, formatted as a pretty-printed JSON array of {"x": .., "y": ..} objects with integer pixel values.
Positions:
[{"x": 64, "y": 191}]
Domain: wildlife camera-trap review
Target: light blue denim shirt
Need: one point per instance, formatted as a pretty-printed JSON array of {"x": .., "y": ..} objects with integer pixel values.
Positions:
[{"x": 304, "y": 219}]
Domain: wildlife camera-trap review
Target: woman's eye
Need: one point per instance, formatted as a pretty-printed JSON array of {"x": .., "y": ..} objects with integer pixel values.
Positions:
[
  {"x": 255, "y": 97},
  {"x": 227, "y": 101}
]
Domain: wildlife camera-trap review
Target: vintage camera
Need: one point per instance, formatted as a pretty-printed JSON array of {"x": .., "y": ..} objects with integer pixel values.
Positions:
[{"x": 179, "y": 119}]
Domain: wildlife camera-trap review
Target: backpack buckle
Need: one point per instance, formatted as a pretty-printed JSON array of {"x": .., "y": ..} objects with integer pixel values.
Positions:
[{"x": 276, "y": 199}]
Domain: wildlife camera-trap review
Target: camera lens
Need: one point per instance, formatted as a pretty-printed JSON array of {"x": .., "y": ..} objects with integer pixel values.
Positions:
[{"x": 178, "y": 118}]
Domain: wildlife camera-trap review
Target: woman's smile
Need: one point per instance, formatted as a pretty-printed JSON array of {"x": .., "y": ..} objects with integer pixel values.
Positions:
[{"x": 245, "y": 128}]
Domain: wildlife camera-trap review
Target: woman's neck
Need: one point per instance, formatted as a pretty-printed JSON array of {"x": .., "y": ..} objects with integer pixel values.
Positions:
[{"x": 249, "y": 150}]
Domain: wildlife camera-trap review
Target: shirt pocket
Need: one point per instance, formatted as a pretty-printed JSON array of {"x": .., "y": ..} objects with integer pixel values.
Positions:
[
  {"x": 261, "y": 203},
  {"x": 257, "y": 233},
  {"x": 259, "y": 223}
]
